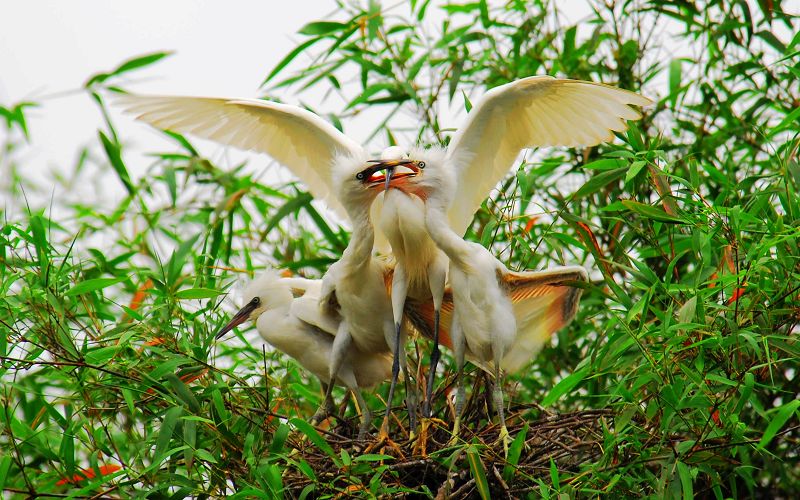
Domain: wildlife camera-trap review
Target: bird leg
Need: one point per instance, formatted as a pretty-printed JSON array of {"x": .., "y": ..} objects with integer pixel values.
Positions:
[
  {"x": 395, "y": 341},
  {"x": 327, "y": 408},
  {"x": 434, "y": 361},
  {"x": 341, "y": 343},
  {"x": 497, "y": 397},
  {"x": 366, "y": 415},
  {"x": 459, "y": 348},
  {"x": 396, "y": 348},
  {"x": 437, "y": 277},
  {"x": 411, "y": 397}
]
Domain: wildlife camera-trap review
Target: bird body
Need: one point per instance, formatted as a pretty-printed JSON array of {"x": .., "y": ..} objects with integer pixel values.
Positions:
[
  {"x": 402, "y": 220},
  {"x": 270, "y": 301},
  {"x": 484, "y": 320},
  {"x": 356, "y": 283},
  {"x": 484, "y": 309}
]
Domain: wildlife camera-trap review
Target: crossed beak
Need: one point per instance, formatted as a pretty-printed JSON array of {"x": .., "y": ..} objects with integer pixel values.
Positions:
[
  {"x": 239, "y": 318},
  {"x": 389, "y": 169}
]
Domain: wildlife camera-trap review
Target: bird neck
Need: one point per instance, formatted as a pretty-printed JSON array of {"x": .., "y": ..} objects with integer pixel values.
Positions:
[
  {"x": 441, "y": 233},
  {"x": 362, "y": 239}
]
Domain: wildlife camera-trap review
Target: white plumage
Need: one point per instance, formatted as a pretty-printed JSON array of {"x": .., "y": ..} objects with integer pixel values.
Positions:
[
  {"x": 299, "y": 328},
  {"x": 484, "y": 320}
]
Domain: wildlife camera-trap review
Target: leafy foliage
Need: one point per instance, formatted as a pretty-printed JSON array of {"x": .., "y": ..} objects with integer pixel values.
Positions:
[{"x": 678, "y": 378}]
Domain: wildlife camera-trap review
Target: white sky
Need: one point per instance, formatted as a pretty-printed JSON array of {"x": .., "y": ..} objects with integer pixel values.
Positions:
[{"x": 48, "y": 49}]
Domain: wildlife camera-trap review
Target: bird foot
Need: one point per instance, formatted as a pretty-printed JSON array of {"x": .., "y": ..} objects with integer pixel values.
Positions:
[
  {"x": 454, "y": 437},
  {"x": 421, "y": 442},
  {"x": 505, "y": 439},
  {"x": 382, "y": 442}
]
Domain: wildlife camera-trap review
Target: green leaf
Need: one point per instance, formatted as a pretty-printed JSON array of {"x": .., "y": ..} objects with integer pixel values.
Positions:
[
  {"x": 605, "y": 164},
  {"x": 183, "y": 392},
  {"x": 290, "y": 207},
  {"x": 114, "y": 155},
  {"x": 197, "y": 293},
  {"x": 372, "y": 457},
  {"x": 600, "y": 181},
  {"x": 102, "y": 355},
  {"x": 634, "y": 170},
  {"x": 514, "y": 453},
  {"x": 782, "y": 415},
  {"x": 314, "y": 437},
  {"x": 651, "y": 212},
  {"x": 478, "y": 472},
  {"x": 190, "y": 438},
  {"x": 554, "y": 479},
  {"x": 92, "y": 285},
  {"x": 129, "y": 65},
  {"x": 686, "y": 481},
  {"x": 5, "y": 466},
  {"x": 687, "y": 311},
  {"x": 674, "y": 80},
  {"x": 565, "y": 385},
  {"x": 322, "y": 28},
  {"x": 289, "y": 58},
  {"x": 467, "y": 102},
  {"x": 165, "y": 433}
]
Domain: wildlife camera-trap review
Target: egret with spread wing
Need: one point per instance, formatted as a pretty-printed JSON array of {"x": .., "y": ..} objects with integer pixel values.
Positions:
[
  {"x": 288, "y": 317},
  {"x": 534, "y": 111}
]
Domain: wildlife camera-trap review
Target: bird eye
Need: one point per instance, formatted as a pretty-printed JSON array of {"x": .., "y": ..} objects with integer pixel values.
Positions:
[
  {"x": 360, "y": 176},
  {"x": 256, "y": 301},
  {"x": 421, "y": 164}
]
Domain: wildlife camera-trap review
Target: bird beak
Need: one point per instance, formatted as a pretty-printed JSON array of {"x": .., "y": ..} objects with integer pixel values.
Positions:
[
  {"x": 389, "y": 167},
  {"x": 240, "y": 317},
  {"x": 388, "y": 173}
]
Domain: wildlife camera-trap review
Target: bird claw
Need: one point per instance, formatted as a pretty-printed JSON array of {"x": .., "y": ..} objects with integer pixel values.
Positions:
[
  {"x": 383, "y": 440},
  {"x": 505, "y": 438},
  {"x": 454, "y": 437},
  {"x": 421, "y": 442}
]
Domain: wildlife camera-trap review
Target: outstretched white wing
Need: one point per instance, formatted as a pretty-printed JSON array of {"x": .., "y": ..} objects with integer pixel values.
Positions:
[
  {"x": 534, "y": 111},
  {"x": 295, "y": 137}
]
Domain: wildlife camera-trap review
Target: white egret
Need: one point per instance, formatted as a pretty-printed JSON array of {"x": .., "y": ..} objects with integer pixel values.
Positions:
[
  {"x": 356, "y": 284},
  {"x": 484, "y": 319},
  {"x": 533, "y": 111},
  {"x": 297, "y": 327}
]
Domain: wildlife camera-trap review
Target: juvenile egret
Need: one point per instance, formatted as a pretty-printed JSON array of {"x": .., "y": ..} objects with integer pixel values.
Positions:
[
  {"x": 356, "y": 284},
  {"x": 269, "y": 301},
  {"x": 534, "y": 111},
  {"x": 484, "y": 320}
]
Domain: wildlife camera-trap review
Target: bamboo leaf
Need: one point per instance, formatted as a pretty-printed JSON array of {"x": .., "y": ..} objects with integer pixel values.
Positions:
[
  {"x": 782, "y": 415},
  {"x": 478, "y": 472}
]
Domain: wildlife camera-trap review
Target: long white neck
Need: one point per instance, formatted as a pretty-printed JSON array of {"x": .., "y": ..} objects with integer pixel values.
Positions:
[
  {"x": 362, "y": 239},
  {"x": 442, "y": 234}
]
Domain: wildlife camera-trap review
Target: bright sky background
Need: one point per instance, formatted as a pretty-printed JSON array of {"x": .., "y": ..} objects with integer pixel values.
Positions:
[{"x": 48, "y": 49}]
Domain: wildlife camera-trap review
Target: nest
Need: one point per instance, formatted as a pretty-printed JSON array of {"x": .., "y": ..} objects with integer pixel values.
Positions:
[{"x": 428, "y": 464}]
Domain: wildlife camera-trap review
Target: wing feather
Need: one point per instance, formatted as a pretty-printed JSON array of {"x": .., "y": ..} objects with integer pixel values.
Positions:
[
  {"x": 543, "y": 303},
  {"x": 295, "y": 137},
  {"x": 307, "y": 309},
  {"x": 531, "y": 112}
]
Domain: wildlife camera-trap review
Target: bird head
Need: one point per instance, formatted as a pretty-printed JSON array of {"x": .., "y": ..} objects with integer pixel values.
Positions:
[
  {"x": 421, "y": 172},
  {"x": 267, "y": 291},
  {"x": 358, "y": 181}
]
